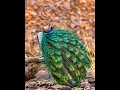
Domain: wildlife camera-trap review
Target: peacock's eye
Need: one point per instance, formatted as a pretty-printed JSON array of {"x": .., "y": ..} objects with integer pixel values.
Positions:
[
  {"x": 74, "y": 59},
  {"x": 65, "y": 77},
  {"x": 72, "y": 68},
  {"x": 79, "y": 64}
]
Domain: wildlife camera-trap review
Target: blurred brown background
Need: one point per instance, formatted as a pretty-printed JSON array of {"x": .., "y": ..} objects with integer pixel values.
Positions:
[{"x": 75, "y": 15}]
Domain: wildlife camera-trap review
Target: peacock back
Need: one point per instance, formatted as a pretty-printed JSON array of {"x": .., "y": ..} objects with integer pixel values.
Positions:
[{"x": 65, "y": 56}]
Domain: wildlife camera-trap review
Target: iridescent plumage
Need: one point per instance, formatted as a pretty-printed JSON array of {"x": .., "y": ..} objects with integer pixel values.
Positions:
[{"x": 65, "y": 56}]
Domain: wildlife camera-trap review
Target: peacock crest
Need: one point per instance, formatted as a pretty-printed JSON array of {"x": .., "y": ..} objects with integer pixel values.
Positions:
[{"x": 65, "y": 56}]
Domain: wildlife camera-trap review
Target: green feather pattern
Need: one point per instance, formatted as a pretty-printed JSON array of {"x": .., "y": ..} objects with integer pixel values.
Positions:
[{"x": 65, "y": 57}]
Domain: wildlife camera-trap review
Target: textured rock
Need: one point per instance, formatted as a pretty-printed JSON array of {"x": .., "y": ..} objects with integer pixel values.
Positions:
[{"x": 42, "y": 74}]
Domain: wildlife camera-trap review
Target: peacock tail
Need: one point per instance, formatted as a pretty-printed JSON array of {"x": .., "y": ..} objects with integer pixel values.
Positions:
[{"x": 65, "y": 56}]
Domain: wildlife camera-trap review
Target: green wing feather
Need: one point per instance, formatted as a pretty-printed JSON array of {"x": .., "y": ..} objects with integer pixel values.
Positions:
[{"x": 65, "y": 57}]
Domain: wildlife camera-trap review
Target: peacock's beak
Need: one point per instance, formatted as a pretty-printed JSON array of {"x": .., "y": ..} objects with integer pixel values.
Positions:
[{"x": 39, "y": 36}]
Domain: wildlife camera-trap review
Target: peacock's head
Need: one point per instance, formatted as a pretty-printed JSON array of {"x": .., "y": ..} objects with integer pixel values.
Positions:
[{"x": 40, "y": 34}]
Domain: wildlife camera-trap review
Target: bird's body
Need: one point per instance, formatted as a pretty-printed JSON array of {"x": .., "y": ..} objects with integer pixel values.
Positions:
[{"x": 65, "y": 56}]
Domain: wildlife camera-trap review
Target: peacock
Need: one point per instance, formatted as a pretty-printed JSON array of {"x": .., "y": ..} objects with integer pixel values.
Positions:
[{"x": 65, "y": 57}]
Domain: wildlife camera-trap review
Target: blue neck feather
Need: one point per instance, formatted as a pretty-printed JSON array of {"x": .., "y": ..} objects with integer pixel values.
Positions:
[{"x": 51, "y": 29}]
